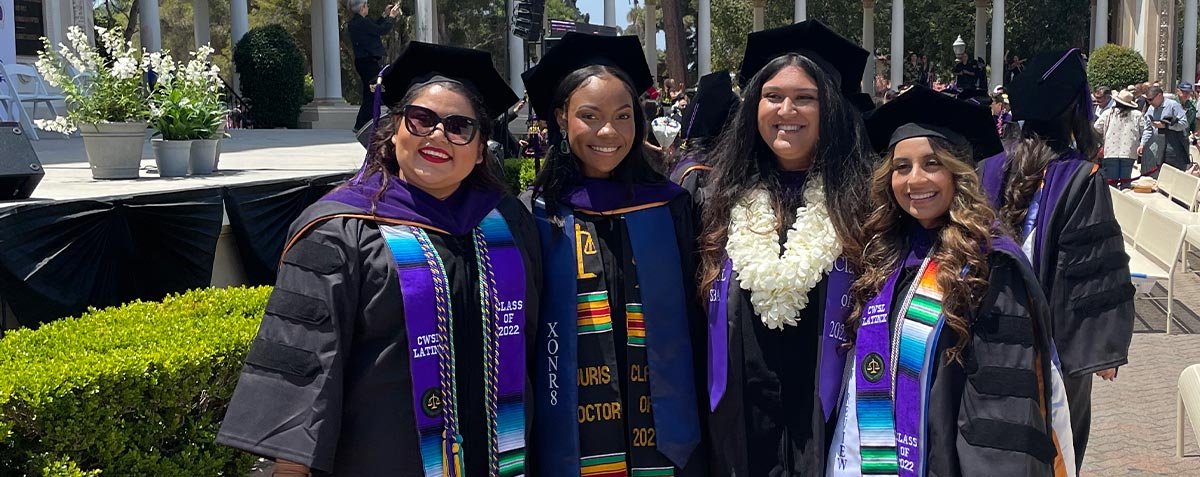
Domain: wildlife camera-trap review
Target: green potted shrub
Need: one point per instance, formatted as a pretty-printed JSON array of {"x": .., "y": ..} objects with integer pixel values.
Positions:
[
  {"x": 1116, "y": 66},
  {"x": 270, "y": 67},
  {"x": 106, "y": 100}
]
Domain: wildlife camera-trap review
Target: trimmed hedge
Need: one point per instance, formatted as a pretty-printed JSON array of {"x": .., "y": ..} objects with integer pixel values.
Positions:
[
  {"x": 519, "y": 174},
  {"x": 1116, "y": 66},
  {"x": 135, "y": 390},
  {"x": 270, "y": 67}
]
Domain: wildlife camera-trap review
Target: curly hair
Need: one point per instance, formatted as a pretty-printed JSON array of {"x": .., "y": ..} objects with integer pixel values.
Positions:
[
  {"x": 742, "y": 161},
  {"x": 962, "y": 244},
  {"x": 381, "y": 154}
]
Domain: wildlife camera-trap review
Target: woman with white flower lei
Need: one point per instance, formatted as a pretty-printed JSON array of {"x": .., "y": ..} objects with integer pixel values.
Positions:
[{"x": 785, "y": 201}]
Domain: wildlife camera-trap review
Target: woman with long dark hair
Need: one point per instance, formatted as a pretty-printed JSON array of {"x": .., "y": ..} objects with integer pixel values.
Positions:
[
  {"x": 1048, "y": 193},
  {"x": 616, "y": 385},
  {"x": 394, "y": 342},
  {"x": 783, "y": 209},
  {"x": 945, "y": 298}
]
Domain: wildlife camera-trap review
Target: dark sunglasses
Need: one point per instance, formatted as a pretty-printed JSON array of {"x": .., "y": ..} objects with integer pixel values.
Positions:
[{"x": 421, "y": 121}]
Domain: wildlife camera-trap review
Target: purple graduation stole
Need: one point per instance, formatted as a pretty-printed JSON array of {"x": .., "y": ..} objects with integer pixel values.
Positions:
[
  {"x": 893, "y": 375},
  {"x": 832, "y": 354},
  {"x": 430, "y": 328}
]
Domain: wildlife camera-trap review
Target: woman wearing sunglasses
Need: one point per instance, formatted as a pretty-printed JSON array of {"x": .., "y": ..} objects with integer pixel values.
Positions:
[
  {"x": 394, "y": 342},
  {"x": 945, "y": 299},
  {"x": 615, "y": 378}
]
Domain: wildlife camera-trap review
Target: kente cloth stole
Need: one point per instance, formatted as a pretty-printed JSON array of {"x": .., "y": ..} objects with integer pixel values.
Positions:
[
  {"x": 430, "y": 327},
  {"x": 893, "y": 375},
  {"x": 581, "y": 376}
]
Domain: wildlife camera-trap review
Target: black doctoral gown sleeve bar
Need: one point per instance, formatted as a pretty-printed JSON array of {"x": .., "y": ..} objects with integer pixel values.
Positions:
[
  {"x": 1091, "y": 293},
  {"x": 327, "y": 381},
  {"x": 1000, "y": 394}
]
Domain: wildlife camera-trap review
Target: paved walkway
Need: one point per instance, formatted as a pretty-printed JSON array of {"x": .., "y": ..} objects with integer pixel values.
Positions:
[{"x": 1133, "y": 418}]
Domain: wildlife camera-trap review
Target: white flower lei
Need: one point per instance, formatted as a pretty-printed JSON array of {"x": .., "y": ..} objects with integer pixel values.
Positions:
[{"x": 779, "y": 283}]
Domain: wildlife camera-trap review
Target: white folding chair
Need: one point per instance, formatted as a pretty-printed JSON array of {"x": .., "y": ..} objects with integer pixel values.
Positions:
[
  {"x": 32, "y": 88},
  {"x": 1128, "y": 212},
  {"x": 1181, "y": 189},
  {"x": 1187, "y": 402},
  {"x": 1157, "y": 244},
  {"x": 11, "y": 100},
  {"x": 1164, "y": 183}
]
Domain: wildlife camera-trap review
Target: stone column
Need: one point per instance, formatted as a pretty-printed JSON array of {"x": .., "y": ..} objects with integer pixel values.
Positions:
[
  {"x": 704, "y": 36},
  {"x": 868, "y": 43},
  {"x": 981, "y": 28},
  {"x": 897, "y": 57},
  {"x": 436, "y": 22},
  {"x": 203, "y": 27},
  {"x": 318, "y": 52},
  {"x": 239, "y": 19},
  {"x": 516, "y": 55},
  {"x": 1091, "y": 22},
  {"x": 1189, "y": 41},
  {"x": 997, "y": 76},
  {"x": 758, "y": 16},
  {"x": 1101, "y": 29},
  {"x": 610, "y": 13},
  {"x": 801, "y": 12},
  {"x": 650, "y": 36},
  {"x": 424, "y": 21},
  {"x": 150, "y": 27},
  {"x": 333, "y": 48}
]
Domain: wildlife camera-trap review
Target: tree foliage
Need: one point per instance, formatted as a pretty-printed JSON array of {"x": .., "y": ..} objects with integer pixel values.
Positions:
[{"x": 1116, "y": 66}]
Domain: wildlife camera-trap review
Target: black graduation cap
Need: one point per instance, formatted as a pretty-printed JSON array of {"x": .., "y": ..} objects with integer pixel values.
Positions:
[
  {"x": 420, "y": 62},
  {"x": 863, "y": 102},
  {"x": 577, "y": 50},
  {"x": 923, "y": 112},
  {"x": 1050, "y": 83},
  {"x": 838, "y": 56},
  {"x": 712, "y": 107},
  {"x": 975, "y": 96}
]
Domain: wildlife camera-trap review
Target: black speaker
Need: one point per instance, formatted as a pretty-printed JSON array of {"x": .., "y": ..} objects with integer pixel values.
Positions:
[{"x": 20, "y": 170}]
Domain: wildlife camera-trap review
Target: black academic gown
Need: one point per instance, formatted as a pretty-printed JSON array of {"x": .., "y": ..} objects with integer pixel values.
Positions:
[
  {"x": 612, "y": 237},
  {"x": 989, "y": 414},
  {"x": 1084, "y": 273},
  {"x": 770, "y": 421},
  {"x": 327, "y": 383}
]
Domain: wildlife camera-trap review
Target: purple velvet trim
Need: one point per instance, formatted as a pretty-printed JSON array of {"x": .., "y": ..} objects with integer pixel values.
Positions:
[
  {"x": 602, "y": 195},
  {"x": 457, "y": 214},
  {"x": 1054, "y": 184},
  {"x": 993, "y": 178}
]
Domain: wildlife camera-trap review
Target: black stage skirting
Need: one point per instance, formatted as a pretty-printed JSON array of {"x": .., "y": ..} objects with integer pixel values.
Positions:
[{"x": 59, "y": 258}]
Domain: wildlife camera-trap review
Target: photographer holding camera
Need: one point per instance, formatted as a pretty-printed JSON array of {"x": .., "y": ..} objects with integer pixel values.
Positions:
[
  {"x": 1164, "y": 136},
  {"x": 367, "y": 37}
]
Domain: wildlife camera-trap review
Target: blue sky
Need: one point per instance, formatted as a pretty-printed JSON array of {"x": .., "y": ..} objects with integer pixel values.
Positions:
[{"x": 595, "y": 8}]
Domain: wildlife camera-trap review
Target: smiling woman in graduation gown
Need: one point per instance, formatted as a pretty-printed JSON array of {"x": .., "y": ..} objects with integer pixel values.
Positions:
[
  {"x": 616, "y": 380},
  {"x": 951, "y": 371},
  {"x": 1048, "y": 191},
  {"x": 784, "y": 201},
  {"x": 394, "y": 342}
]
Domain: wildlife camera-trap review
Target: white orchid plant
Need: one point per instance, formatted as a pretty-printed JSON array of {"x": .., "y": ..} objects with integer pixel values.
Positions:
[
  {"x": 185, "y": 102},
  {"x": 99, "y": 86}
]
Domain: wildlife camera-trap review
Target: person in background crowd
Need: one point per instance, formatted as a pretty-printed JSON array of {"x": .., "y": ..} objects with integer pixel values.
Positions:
[
  {"x": 1164, "y": 138},
  {"x": 395, "y": 340},
  {"x": 782, "y": 214},
  {"x": 946, "y": 314},
  {"x": 509, "y": 146},
  {"x": 1101, "y": 100},
  {"x": 1005, "y": 126},
  {"x": 618, "y": 361},
  {"x": 704, "y": 120},
  {"x": 1188, "y": 101},
  {"x": 914, "y": 71},
  {"x": 1121, "y": 126},
  {"x": 1139, "y": 96},
  {"x": 1047, "y": 192},
  {"x": 366, "y": 36},
  {"x": 966, "y": 72},
  {"x": 1013, "y": 67}
]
